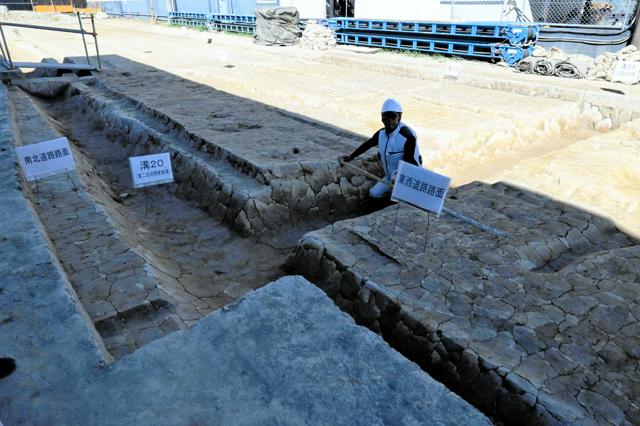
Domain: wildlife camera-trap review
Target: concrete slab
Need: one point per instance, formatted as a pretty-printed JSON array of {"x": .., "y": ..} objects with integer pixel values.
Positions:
[
  {"x": 54, "y": 66},
  {"x": 284, "y": 355},
  {"x": 541, "y": 327}
]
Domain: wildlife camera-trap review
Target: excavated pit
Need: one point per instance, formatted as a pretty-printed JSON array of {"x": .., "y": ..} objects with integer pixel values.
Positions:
[
  {"x": 235, "y": 213},
  {"x": 148, "y": 262}
]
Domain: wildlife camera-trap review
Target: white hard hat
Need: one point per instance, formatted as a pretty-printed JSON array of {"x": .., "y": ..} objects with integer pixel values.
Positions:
[{"x": 391, "y": 105}]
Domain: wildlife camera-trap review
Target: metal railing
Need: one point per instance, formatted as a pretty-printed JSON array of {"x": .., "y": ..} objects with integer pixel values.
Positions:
[
  {"x": 618, "y": 14},
  {"x": 4, "y": 47}
]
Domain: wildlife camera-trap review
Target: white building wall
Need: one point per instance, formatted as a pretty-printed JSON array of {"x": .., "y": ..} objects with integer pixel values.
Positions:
[
  {"x": 436, "y": 10},
  {"x": 415, "y": 10},
  {"x": 307, "y": 8}
]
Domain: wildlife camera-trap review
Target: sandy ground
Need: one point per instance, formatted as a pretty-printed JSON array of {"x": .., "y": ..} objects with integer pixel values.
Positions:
[{"x": 574, "y": 151}]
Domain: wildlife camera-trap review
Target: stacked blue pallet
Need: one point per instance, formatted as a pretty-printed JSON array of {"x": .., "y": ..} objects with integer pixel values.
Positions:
[
  {"x": 232, "y": 23},
  {"x": 236, "y": 19},
  {"x": 188, "y": 19},
  {"x": 215, "y": 22},
  {"x": 508, "y": 41}
]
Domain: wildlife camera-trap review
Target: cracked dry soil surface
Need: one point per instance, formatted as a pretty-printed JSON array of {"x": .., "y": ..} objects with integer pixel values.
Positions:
[{"x": 542, "y": 327}]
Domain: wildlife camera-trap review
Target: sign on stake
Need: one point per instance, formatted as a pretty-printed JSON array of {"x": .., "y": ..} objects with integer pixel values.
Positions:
[
  {"x": 154, "y": 169},
  {"x": 626, "y": 72},
  {"x": 497, "y": 233},
  {"x": 420, "y": 187},
  {"x": 40, "y": 160},
  {"x": 453, "y": 70}
]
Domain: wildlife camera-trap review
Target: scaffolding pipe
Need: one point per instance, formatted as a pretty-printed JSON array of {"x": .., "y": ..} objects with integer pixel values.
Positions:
[
  {"x": 56, "y": 29},
  {"x": 84, "y": 41},
  {"x": 6, "y": 46},
  {"x": 41, "y": 27},
  {"x": 95, "y": 40},
  {"x": 3, "y": 55}
]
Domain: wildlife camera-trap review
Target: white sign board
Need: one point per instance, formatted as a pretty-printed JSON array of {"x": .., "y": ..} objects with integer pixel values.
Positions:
[
  {"x": 453, "y": 69},
  {"x": 420, "y": 187},
  {"x": 626, "y": 72},
  {"x": 43, "y": 159},
  {"x": 151, "y": 169}
]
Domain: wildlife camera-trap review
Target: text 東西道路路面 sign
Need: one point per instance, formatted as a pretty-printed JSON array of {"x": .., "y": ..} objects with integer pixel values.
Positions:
[
  {"x": 151, "y": 169},
  {"x": 43, "y": 159},
  {"x": 420, "y": 187}
]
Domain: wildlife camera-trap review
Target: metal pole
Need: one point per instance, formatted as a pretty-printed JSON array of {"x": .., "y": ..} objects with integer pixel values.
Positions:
[
  {"x": 95, "y": 40},
  {"x": 84, "y": 40},
  {"x": 626, "y": 15},
  {"x": 635, "y": 40},
  {"x": 41, "y": 27},
  {"x": 475, "y": 223},
  {"x": 4, "y": 61},
  {"x": 6, "y": 46}
]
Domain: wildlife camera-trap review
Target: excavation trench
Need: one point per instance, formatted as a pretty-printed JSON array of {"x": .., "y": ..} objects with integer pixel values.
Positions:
[
  {"x": 472, "y": 310},
  {"x": 148, "y": 262}
]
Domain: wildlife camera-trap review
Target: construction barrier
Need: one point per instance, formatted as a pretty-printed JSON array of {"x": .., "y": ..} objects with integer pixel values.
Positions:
[{"x": 63, "y": 8}]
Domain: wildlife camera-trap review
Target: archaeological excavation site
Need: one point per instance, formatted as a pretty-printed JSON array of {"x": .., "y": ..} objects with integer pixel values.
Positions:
[{"x": 263, "y": 284}]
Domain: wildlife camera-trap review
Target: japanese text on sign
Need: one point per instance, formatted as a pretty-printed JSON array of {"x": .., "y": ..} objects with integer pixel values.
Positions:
[
  {"x": 420, "y": 187},
  {"x": 44, "y": 159},
  {"x": 151, "y": 169},
  {"x": 626, "y": 72},
  {"x": 452, "y": 70}
]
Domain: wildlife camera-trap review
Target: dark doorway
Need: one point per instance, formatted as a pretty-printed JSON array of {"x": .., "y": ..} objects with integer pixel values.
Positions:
[{"x": 340, "y": 8}]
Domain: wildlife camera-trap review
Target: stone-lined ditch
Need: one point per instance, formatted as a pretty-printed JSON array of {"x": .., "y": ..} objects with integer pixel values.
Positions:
[
  {"x": 142, "y": 274},
  {"x": 147, "y": 262}
]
